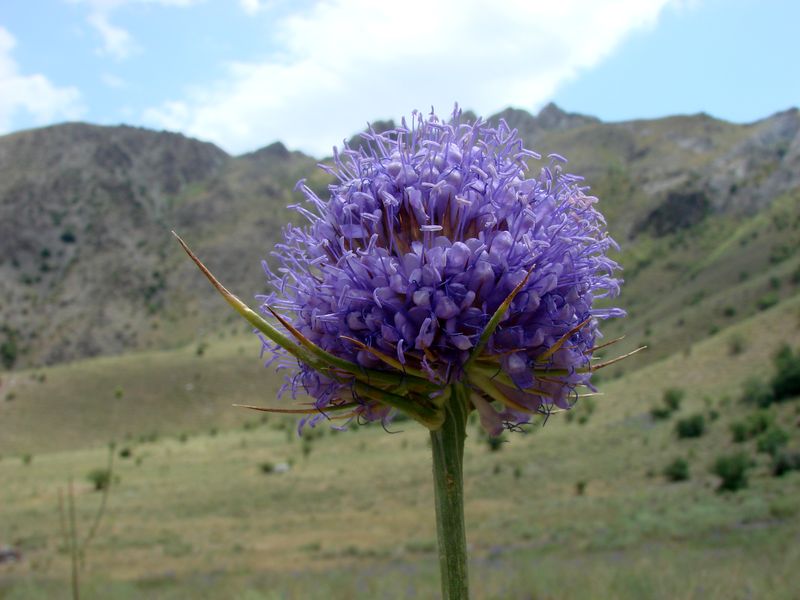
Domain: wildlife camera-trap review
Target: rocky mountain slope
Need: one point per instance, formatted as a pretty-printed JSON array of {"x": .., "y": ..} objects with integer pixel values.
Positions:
[{"x": 707, "y": 213}]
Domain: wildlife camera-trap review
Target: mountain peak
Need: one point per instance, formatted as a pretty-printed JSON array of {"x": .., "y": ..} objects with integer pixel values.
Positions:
[
  {"x": 552, "y": 116},
  {"x": 275, "y": 150}
]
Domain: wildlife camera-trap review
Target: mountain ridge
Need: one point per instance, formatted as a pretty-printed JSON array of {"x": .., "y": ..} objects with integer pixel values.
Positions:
[{"x": 88, "y": 268}]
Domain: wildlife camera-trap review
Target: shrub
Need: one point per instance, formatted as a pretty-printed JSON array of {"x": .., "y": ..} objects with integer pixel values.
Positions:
[
  {"x": 760, "y": 421},
  {"x": 100, "y": 478},
  {"x": 755, "y": 424},
  {"x": 757, "y": 392},
  {"x": 580, "y": 488},
  {"x": 785, "y": 462},
  {"x": 9, "y": 352},
  {"x": 772, "y": 440},
  {"x": 740, "y": 431},
  {"x": 671, "y": 402},
  {"x": 691, "y": 427},
  {"x": 266, "y": 467},
  {"x": 677, "y": 470},
  {"x": 660, "y": 413},
  {"x": 767, "y": 301},
  {"x": 735, "y": 344},
  {"x": 495, "y": 443},
  {"x": 125, "y": 452},
  {"x": 673, "y": 398},
  {"x": 732, "y": 469},
  {"x": 786, "y": 382},
  {"x": 306, "y": 446}
]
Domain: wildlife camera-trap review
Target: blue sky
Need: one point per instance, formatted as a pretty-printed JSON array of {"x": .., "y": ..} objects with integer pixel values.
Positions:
[{"x": 243, "y": 73}]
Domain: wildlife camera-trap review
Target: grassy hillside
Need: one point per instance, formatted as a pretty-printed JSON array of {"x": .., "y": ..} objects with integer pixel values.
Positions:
[{"x": 567, "y": 510}]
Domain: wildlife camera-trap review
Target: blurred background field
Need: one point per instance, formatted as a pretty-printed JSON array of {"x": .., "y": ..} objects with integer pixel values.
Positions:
[{"x": 212, "y": 501}]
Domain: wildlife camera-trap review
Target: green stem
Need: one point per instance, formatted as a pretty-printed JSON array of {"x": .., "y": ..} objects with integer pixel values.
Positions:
[{"x": 448, "y": 484}]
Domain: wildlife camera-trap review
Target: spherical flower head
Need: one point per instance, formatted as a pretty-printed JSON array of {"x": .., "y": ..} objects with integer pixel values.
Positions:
[{"x": 429, "y": 230}]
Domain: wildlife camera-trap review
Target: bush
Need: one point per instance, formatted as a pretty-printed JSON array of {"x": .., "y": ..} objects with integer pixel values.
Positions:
[
  {"x": 677, "y": 470},
  {"x": 495, "y": 442},
  {"x": 266, "y": 467},
  {"x": 785, "y": 462},
  {"x": 757, "y": 392},
  {"x": 786, "y": 382},
  {"x": 691, "y": 427},
  {"x": 673, "y": 398},
  {"x": 740, "y": 431},
  {"x": 735, "y": 344},
  {"x": 660, "y": 413},
  {"x": 306, "y": 446},
  {"x": 101, "y": 478},
  {"x": 772, "y": 440},
  {"x": 767, "y": 301},
  {"x": 125, "y": 452},
  {"x": 671, "y": 402},
  {"x": 759, "y": 422},
  {"x": 9, "y": 352},
  {"x": 732, "y": 469},
  {"x": 755, "y": 424}
]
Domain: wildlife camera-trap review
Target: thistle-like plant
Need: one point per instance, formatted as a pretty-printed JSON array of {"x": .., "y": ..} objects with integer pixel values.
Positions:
[{"x": 438, "y": 278}]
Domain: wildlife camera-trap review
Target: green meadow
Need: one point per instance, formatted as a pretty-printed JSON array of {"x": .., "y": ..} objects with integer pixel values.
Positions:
[{"x": 212, "y": 501}]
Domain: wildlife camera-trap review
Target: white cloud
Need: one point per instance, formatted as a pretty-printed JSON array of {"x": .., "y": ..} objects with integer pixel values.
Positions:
[
  {"x": 118, "y": 42},
  {"x": 251, "y": 7},
  {"x": 113, "y": 81},
  {"x": 343, "y": 62},
  {"x": 31, "y": 94}
]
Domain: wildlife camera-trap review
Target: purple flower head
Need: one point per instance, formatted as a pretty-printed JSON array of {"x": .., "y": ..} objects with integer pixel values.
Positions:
[{"x": 437, "y": 257}]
